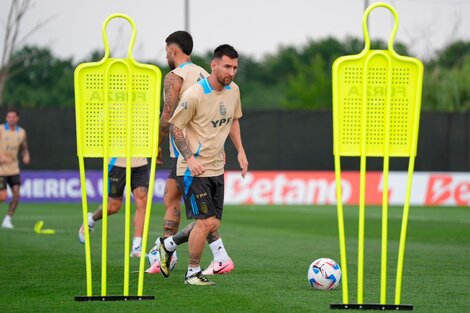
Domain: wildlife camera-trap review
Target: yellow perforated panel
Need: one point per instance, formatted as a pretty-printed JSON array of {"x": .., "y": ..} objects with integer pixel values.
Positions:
[
  {"x": 106, "y": 92},
  {"x": 373, "y": 91}
]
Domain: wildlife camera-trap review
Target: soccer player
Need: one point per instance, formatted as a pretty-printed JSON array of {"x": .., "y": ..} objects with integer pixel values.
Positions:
[
  {"x": 183, "y": 74},
  {"x": 208, "y": 112},
  {"x": 12, "y": 140},
  {"x": 139, "y": 185}
]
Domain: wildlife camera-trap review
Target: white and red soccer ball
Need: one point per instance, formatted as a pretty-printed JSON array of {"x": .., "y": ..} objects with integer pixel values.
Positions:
[{"x": 324, "y": 274}]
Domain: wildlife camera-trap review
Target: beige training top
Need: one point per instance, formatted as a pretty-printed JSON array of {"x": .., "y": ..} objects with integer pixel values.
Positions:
[
  {"x": 191, "y": 74},
  {"x": 10, "y": 142},
  {"x": 121, "y": 162},
  {"x": 207, "y": 116}
]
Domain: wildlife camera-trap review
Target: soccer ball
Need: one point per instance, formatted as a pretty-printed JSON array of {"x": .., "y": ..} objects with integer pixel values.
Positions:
[
  {"x": 154, "y": 256},
  {"x": 324, "y": 274}
]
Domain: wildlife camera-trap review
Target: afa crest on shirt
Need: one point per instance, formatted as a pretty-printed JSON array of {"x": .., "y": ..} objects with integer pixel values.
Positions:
[
  {"x": 222, "y": 108},
  {"x": 184, "y": 105}
]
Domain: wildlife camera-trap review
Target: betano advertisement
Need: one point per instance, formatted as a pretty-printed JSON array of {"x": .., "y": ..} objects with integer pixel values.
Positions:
[{"x": 270, "y": 187}]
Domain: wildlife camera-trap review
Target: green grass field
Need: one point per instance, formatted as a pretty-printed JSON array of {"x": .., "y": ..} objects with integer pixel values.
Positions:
[{"x": 271, "y": 246}]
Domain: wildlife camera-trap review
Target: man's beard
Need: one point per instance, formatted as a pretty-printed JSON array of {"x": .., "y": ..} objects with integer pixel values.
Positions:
[{"x": 223, "y": 83}]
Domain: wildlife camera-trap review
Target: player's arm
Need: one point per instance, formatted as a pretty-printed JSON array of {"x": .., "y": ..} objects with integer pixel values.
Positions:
[
  {"x": 25, "y": 150},
  {"x": 195, "y": 166},
  {"x": 235, "y": 136},
  {"x": 171, "y": 88}
]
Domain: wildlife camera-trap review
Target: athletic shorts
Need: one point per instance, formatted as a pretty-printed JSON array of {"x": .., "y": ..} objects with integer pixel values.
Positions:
[
  {"x": 203, "y": 196},
  {"x": 10, "y": 181},
  {"x": 117, "y": 179},
  {"x": 173, "y": 165}
]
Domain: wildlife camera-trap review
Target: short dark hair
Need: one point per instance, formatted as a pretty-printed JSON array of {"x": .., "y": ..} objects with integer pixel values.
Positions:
[
  {"x": 182, "y": 39},
  {"x": 13, "y": 110},
  {"x": 226, "y": 50}
]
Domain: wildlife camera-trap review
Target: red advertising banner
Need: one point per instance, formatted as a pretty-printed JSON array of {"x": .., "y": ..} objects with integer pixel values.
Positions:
[
  {"x": 269, "y": 187},
  {"x": 448, "y": 189}
]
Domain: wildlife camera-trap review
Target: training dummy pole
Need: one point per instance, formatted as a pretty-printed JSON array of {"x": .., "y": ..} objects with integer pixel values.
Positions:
[
  {"x": 117, "y": 108},
  {"x": 376, "y": 109}
]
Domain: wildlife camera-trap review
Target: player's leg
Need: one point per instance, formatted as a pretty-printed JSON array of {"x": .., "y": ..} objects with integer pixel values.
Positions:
[
  {"x": 170, "y": 244},
  {"x": 14, "y": 182},
  {"x": 114, "y": 204},
  {"x": 200, "y": 205},
  {"x": 182, "y": 236},
  {"x": 171, "y": 221},
  {"x": 167, "y": 246},
  {"x": 195, "y": 186},
  {"x": 15, "y": 199},
  {"x": 117, "y": 180},
  {"x": 140, "y": 198},
  {"x": 221, "y": 263},
  {"x": 3, "y": 196},
  {"x": 196, "y": 243},
  {"x": 172, "y": 202},
  {"x": 139, "y": 184}
]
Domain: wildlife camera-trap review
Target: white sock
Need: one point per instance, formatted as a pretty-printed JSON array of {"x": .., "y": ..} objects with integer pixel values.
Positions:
[
  {"x": 136, "y": 243},
  {"x": 170, "y": 245},
  {"x": 7, "y": 218},
  {"x": 192, "y": 270},
  {"x": 91, "y": 221},
  {"x": 218, "y": 250}
]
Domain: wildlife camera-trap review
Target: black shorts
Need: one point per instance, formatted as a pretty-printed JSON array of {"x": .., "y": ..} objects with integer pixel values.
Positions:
[
  {"x": 10, "y": 181},
  {"x": 117, "y": 179},
  {"x": 173, "y": 165},
  {"x": 203, "y": 196}
]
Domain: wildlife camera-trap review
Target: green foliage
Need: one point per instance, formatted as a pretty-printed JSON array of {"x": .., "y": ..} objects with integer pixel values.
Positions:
[
  {"x": 292, "y": 78},
  {"x": 453, "y": 55},
  {"x": 309, "y": 87},
  {"x": 447, "y": 89},
  {"x": 202, "y": 60},
  {"x": 38, "y": 79}
]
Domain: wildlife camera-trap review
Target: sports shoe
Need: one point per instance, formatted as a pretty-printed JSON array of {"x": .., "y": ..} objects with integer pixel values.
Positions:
[
  {"x": 158, "y": 242},
  {"x": 216, "y": 268},
  {"x": 135, "y": 252},
  {"x": 81, "y": 231},
  {"x": 153, "y": 258},
  {"x": 154, "y": 268},
  {"x": 165, "y": 258},
  {"x": 198, "y": 279},
  {"x": 7, "y": 224}
]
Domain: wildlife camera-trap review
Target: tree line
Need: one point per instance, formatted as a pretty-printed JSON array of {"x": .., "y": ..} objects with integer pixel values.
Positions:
[{"x": 291, "y": 78}]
